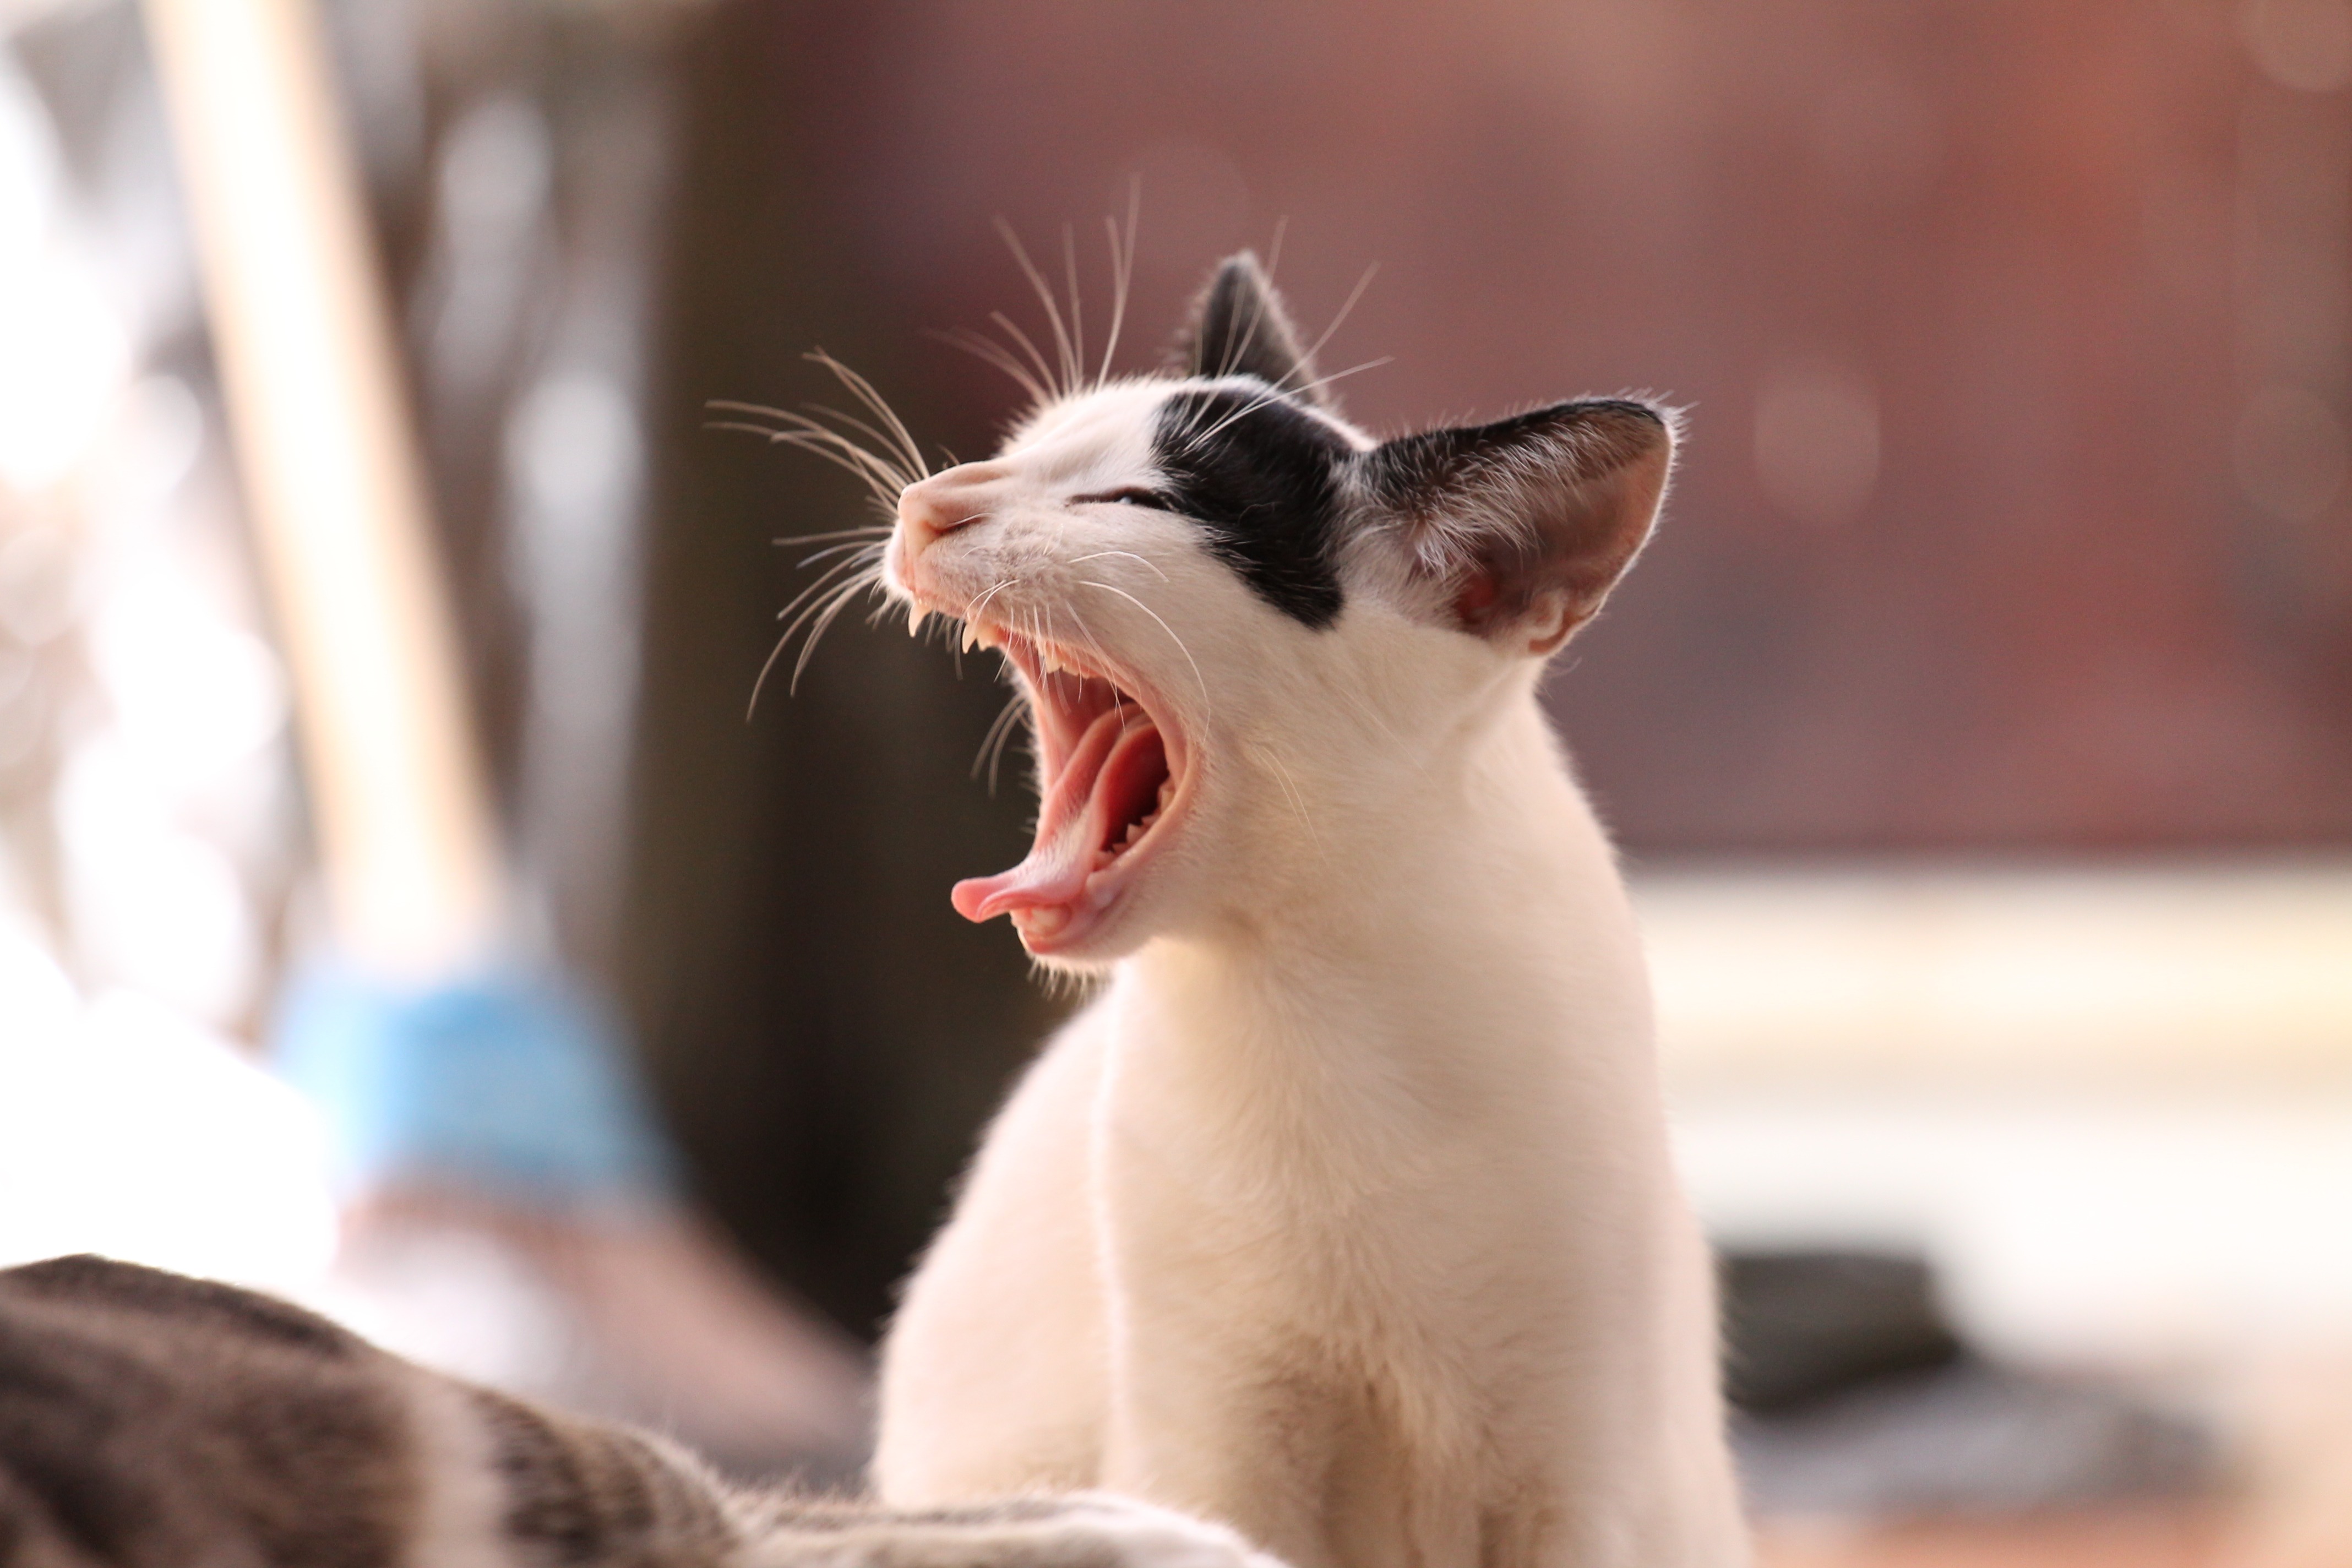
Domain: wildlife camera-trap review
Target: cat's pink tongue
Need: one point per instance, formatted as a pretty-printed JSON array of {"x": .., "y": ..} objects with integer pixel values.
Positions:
[{"x": 1054, "y": 875}]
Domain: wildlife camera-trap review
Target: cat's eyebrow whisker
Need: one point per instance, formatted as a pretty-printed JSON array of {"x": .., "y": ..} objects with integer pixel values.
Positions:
[
  {"x": 1122, "y": 271},
  {"x": 1201, "y": 438},
  {"x": 1207, "y": 708},
  {"x": 1236, "y": 352},
  {"x": 1069, "y": 378},
  {"x": 1036, "y": 355},
  {"x": 1354, "y": 294},
  {"x": 1078, "y": 322},
  {"x": 1130, "y": 554}
]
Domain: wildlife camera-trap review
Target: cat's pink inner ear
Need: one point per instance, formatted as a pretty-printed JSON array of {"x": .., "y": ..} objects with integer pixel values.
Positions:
[{"x": 1525, "y": 525}]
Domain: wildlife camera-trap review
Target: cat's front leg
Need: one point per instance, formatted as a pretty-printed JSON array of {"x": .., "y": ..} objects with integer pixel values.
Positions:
[{"x": 1216, "y": 1430}]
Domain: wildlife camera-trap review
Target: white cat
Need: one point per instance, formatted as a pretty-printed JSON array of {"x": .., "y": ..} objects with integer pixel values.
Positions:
[{"x": 1343, "y": 1214}]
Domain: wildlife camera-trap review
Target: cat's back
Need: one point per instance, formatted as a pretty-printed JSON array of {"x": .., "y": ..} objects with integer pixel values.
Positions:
[{"x": 148, "y": 1420}]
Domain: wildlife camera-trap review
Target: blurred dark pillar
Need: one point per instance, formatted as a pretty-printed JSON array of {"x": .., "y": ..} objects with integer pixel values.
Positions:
[{"x": 823, "y": 1029}]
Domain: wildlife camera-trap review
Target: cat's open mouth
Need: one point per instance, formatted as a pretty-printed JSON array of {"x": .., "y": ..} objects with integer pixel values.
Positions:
[{"x": 1111, "y": 775}]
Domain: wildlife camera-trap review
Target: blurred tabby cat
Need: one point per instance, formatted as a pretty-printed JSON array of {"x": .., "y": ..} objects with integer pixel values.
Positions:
[{"x": 148, "y": 1420}]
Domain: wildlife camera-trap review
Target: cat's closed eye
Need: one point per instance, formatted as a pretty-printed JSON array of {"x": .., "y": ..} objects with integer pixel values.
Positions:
[{"x": 1131, "y": 496}]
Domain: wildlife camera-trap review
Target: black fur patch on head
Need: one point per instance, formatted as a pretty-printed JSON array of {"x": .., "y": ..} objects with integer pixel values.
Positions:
[{"x": 1262, "y": 477}]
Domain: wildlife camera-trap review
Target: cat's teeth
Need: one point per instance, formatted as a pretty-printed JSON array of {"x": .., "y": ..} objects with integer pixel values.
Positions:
[
  {"x": 915, "y": 616},
  {"x": 1044, "y": 920}
]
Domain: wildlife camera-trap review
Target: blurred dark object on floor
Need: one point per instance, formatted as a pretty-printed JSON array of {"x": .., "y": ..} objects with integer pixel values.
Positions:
[
  {"x": 1858, "y": 1399},
  {"x": 1802, "y": 1325}
]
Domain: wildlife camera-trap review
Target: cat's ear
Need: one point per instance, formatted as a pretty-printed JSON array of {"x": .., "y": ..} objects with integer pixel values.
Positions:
[
  {"x": 1517, "y": 530},
  {"x": 1239, "y": 327}
]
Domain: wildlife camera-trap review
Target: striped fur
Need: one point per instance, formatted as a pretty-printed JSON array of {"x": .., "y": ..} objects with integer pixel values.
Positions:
[{"x": 148, "y": 1420}]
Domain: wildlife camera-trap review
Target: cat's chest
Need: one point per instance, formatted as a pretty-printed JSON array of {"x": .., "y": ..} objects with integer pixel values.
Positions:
[{"x": 1301, "y": 1106}]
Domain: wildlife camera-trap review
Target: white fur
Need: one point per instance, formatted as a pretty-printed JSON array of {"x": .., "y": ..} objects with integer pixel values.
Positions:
[{"x": 1344, "y": 1214}]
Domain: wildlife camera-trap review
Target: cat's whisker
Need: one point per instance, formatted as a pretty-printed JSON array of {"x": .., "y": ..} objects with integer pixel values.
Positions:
[
  {"x": 992, "y": 745},
  {"x": 991, "y": 352},
  {"x": 826, "y": 579},
  {"x": 865, "y": 532},
  {"x": 972, "y": 615},
  {"x": 1036, "y": 356},
  {"x": 1130, "y": 554},
  {"x": 882, "y": 471},
  {"x": 1207, "y": 711},
  {"x": 816, "y": 632},
  {"x": 1238, "y": 351},
  {"x": 1307, "y": 360},
  {"x": 1297, "y": 800},
  {"x": 1069, "y": 378},
  {"x": 1077, "y": 322},
  {"x": 1122, "y": 271},
  {"x": 824, "y": 596},
  {"x": 864, "y": 391},
  {"x": 815, "y": 556},
  {"x": 918, "y": 472},
  {"x": 1203, "y": 437},
  {"x": 879, "y": 475}
]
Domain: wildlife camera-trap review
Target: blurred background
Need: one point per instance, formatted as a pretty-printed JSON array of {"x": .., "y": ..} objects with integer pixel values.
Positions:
[{"x": 1978, "y": 728}]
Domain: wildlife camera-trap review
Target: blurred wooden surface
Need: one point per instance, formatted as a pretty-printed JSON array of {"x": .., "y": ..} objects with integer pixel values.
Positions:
[{"x": 2137, "y": 1537}]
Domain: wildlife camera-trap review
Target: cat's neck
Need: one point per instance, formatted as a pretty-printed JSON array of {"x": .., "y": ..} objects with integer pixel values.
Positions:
[{"x": 1498, "y": 917}]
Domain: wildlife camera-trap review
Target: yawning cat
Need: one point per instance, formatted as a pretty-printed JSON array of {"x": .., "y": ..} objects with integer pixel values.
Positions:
[{"x": 1343, "y": 1214}]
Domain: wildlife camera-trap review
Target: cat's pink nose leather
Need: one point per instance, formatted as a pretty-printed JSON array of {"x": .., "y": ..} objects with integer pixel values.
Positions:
[{"x": 942, "y": 504}]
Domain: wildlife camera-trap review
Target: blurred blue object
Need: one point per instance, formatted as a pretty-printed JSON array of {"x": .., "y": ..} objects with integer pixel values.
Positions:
[{"x": 501, "y": 1085}]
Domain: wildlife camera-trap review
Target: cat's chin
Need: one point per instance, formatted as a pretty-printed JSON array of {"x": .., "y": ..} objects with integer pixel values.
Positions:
[{"x": 1114, "y": 787}]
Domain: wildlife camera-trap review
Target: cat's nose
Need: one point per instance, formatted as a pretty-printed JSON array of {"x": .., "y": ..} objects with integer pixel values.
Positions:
[{"x": 940, "y": 504}]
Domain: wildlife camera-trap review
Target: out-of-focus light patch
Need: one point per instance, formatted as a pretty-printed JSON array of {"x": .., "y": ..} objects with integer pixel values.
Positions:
[
  {"x": 39, "y": 584},
  {"x": 2069, "y": 1232},
  {"x": 194, "y": 697},
  {"x": 126, "y": 1129},
  {"x": 2302, "y": 44},
  {"x": 63, "y": 358},
  {"x": 156, "y": 438},
  {"x": 2139, "y": 976},
  {"x": 154, "y": 907},
  {"x": 1817, "y": 440},
  {"x": 28, "y": 164},
  {"x": 573, "y": 449},
  {"x": 63, "y": 354}
]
